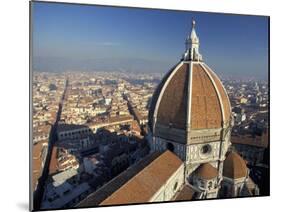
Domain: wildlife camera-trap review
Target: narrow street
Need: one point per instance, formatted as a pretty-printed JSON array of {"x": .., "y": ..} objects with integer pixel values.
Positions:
[
  {"x": 38, "y": 194},
  {"x": 132, "y": 112}
]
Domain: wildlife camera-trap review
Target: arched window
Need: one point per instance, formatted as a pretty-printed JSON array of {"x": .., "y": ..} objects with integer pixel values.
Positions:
[
  {"x": 239, "y": 189},
  {"x": 201, "y": 184},
  {"x": 210, "y": 185}
]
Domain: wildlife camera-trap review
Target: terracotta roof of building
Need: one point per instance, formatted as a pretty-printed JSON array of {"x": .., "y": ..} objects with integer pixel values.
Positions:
[
  {"x": 35, "y": 178},
  {"x": 109, "y": 188},
  {"x": 186, "y": 193},
  {"x": 173, "y": 105},
  {"x": 69, "y": 127},
  {"x": 234, "y": 166},
  {"x": 37, "y": 148},
  {"x": 146, "y": 183},
  {"x": 112, "y": 120},
  {"x": 206, "y": 171},
  {"x": 223, "y": 94},
  {"x": 156, "y": 95},
  {"x": 258, "y": 141},
  {"x": 206, "y": 111},
  {"x": 194, "y": 82}
]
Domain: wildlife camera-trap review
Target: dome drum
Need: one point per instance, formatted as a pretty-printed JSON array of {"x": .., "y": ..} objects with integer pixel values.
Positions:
[{"x": 169, "y": 133}]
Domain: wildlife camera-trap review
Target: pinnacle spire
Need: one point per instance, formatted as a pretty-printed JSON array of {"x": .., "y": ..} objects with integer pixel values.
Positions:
[
  {"x": 193, "y": 23},
  {"x": 192, "y": 45}
]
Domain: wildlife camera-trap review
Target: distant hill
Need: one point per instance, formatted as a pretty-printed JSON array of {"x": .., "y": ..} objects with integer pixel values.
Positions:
[{"x": 55, "y": 64}]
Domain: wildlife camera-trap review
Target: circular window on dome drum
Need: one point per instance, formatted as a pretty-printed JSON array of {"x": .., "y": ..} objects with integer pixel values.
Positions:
[{"x": 206, "y": 149}]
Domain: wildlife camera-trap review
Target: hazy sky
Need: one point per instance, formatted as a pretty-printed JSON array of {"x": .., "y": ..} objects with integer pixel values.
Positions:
[{"x": 232, "y": 45}]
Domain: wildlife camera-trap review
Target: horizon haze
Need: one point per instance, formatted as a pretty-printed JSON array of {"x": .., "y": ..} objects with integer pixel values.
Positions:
[{"x": 70, "y": 37}]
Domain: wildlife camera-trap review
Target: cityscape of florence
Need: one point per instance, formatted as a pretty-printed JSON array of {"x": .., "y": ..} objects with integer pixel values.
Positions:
[{"x": 181, "y": 115}]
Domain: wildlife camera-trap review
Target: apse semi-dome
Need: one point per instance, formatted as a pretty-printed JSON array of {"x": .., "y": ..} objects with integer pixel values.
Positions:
[
  {"x": 190, "y": 96},
  {"x": 234, "y": 166},
  {"x": 206, "y": 172}
]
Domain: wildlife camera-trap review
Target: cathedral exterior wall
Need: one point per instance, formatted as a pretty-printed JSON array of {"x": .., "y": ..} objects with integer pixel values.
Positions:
[
  {"x": 206, "y": 135},
  {"x": 232, "y": 187},
  {"x": 195, "y": 154},
  {"x": 170, "y": 133},
  {"x": 160, "y": 144}
]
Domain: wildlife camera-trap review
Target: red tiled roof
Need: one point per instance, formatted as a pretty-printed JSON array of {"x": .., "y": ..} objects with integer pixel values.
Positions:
[
  {"x": 223, "y": 94},
  {"x": 146, "y": 183},
  {"x": 258, "y": 141},
  {"x": 209, "y": 101},
  {"x": 173, "y": 105},
  {"x": 186, "y": 193},
  {"x": 205, "y": 106},
  {"x": 206, "y": 171},
  {"x": 109, "y": 188},
  {"x": 234, "y": 166}
]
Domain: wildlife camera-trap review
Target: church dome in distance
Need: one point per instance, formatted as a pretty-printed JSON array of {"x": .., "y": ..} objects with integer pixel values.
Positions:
[
  {"x": 190, "y": 96},
  {"x": 234, "y": 166}
]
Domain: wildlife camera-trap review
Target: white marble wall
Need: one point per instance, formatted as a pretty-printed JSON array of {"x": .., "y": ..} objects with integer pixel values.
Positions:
[
  {"x": 234, "y": 186},
  {"x": 195, "y": 156},
  {"x": 160, "y": 144}
]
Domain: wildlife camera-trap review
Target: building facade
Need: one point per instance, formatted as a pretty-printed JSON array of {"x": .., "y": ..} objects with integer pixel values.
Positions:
[
  {"x": 190, "y": 115},
  {"x": 189, "y": 131}
]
